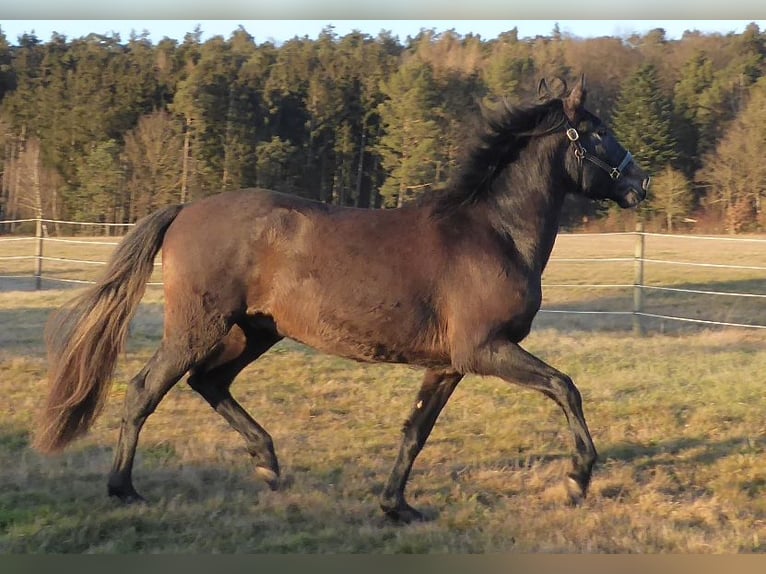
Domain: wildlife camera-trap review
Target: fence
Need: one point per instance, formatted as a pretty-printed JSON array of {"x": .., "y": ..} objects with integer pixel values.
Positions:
[
  {"x": 57, "y": 267},
  {"x": 43, "y": 259}
]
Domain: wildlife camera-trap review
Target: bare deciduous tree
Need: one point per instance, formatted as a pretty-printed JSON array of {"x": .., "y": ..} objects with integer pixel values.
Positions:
[
  {"x": 154, "y": 156},
  {"x": 735, "y": 171},
  {"x": 672, "y": 195}
]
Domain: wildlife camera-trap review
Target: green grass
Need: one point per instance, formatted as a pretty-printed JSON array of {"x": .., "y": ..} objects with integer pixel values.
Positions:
[{"x": 677, "y": 417}]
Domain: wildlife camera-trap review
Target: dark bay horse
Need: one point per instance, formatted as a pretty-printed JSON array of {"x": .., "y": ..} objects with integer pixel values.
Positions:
[{"x": 450, "y": 283}]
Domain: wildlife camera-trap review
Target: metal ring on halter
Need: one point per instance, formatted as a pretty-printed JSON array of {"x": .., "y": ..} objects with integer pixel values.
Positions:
[{"x": 617, "y": 171}]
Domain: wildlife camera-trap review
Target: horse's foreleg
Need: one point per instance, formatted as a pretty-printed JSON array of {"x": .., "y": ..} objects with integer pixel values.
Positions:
[
  {"x": 512, "y": 363},
  {"x": 435, "y": 391},
  {"x": 212, "y": 381}
]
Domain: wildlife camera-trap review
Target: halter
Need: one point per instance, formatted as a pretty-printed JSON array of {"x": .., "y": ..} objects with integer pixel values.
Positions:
[{"x": 582, "y": 154}]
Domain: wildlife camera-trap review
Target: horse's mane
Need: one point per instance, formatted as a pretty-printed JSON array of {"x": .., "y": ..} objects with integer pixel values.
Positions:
[{"x": 497, "y": 141}]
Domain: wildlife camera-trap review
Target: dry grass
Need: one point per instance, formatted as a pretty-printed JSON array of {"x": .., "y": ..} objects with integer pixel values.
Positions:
[{"x": 678, "y": 419}]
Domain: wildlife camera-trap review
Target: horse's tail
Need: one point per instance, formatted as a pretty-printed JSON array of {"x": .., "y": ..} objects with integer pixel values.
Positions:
[{"x": 85, "y": 337}]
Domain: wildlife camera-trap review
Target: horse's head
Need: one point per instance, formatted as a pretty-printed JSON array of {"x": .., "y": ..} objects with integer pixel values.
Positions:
[{"x": 602, "y": 168}]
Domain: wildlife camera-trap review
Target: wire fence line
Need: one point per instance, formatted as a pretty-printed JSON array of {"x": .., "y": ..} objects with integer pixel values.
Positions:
[
  {"x": 78, "y": 241},
  {"x": 639, "y": 286}
]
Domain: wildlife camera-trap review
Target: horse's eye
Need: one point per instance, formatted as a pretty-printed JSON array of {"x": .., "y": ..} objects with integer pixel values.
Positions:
[{"x": 599, "y": 133}]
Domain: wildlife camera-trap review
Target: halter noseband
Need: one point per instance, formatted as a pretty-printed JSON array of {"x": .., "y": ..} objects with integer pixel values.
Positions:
[{"x": 582, "y": 154}]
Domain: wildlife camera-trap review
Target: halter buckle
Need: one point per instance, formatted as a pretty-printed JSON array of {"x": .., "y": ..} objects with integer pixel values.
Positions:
[
  {"x": 615, "y": 173},
  {"x": 573, "y": 135}
]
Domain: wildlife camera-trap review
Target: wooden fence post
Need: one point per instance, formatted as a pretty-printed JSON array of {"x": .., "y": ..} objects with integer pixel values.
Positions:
[
  {"x": 638, "y": 280},
  {"x": 39, "y": 254}
]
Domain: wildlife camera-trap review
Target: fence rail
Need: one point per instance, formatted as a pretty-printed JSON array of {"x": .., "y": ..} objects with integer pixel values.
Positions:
[{"x": 39, "y": 257}]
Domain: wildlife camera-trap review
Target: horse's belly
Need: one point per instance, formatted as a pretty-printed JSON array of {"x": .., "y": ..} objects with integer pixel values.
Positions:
[
  {"x": 367, "y": 343},
  {"x": 355, "y": 315}
]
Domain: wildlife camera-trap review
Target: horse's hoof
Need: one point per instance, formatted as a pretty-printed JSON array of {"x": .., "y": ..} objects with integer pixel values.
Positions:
[
  {"x": 126, "y": 495},
  {"x": 268, "y": 476},
  {"x": 575, "y": 491},
  {"x": 403, "y": 514}
]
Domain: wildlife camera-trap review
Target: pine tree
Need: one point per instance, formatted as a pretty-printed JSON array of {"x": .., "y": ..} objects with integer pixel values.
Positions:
[
  {"x": 7, "y": 76},
  {"x": 457, "y": 93},
  {"x": 410, "y": 122},
  {"x": 509, "y": 65},
  {"x": 274, "y": 160},
  {"x": 99, "y": 195},
  {"x": 285, "y": 93},
  {"x": 380, "y": 59},
  {"x": 692, "y": 119},
  {"x": 642, "y": 120},
  {"x": 186, "y": 105}
]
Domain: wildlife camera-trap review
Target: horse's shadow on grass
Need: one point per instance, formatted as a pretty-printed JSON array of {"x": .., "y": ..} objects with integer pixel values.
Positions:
[
  {"x": 655, "y": 453},
  {"x": 675, "y": 451}
]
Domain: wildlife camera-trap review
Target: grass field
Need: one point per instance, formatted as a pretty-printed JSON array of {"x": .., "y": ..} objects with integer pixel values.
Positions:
[{"x": 677, "y": 416}]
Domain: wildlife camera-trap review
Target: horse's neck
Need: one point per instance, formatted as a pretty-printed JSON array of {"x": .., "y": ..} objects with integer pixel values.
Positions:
[{"x": 527, "y": 206}]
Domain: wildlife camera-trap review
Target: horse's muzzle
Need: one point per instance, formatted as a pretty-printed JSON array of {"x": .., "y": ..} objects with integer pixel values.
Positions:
[
  {"x": 643, "y": 192},
  {"x": 634, "y": 194},
  {"x": 645, "y": 185}
]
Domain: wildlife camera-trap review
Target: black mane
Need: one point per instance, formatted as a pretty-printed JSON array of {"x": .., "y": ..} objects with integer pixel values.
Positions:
[{"x": 497, "y": 142}]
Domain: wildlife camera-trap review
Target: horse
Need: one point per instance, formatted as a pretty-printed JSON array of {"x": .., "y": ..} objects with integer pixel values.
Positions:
[{"x": 450, "y": 283}]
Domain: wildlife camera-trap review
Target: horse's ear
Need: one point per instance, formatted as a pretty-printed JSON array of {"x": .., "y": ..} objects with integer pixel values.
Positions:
[
  {"x": 543, "y": 92},
  {"x": 575, "y": 100},
  {"x": 557, "y": 89}
]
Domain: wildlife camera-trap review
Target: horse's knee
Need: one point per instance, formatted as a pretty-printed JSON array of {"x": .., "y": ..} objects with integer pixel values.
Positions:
[{"x": 565, "y": 392}]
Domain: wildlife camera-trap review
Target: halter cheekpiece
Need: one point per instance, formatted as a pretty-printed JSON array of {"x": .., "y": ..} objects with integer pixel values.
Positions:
[{"x": 582, "y": 154}]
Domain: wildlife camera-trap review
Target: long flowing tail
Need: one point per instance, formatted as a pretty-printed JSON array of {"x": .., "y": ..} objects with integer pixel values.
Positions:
[{"x": 85, "y": 337}]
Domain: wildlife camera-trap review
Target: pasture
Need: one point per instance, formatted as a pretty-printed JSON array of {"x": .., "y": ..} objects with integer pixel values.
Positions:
[{"x": 678, "y": 417}]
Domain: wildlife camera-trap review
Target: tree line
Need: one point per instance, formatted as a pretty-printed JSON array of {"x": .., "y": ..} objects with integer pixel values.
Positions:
[{"x": 101, "y": 129}]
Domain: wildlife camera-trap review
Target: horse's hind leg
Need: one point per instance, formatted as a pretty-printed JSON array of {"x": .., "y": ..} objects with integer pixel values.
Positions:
[
  {"x": 144, "y": 393},
  {"x": 172, "y": 360},
  {"x": 212, "y": 380},
  {"x": 434, "y": 393}
]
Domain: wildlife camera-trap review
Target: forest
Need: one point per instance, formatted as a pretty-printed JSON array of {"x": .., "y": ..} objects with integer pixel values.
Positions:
[{"x": 103, "y": 129}]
